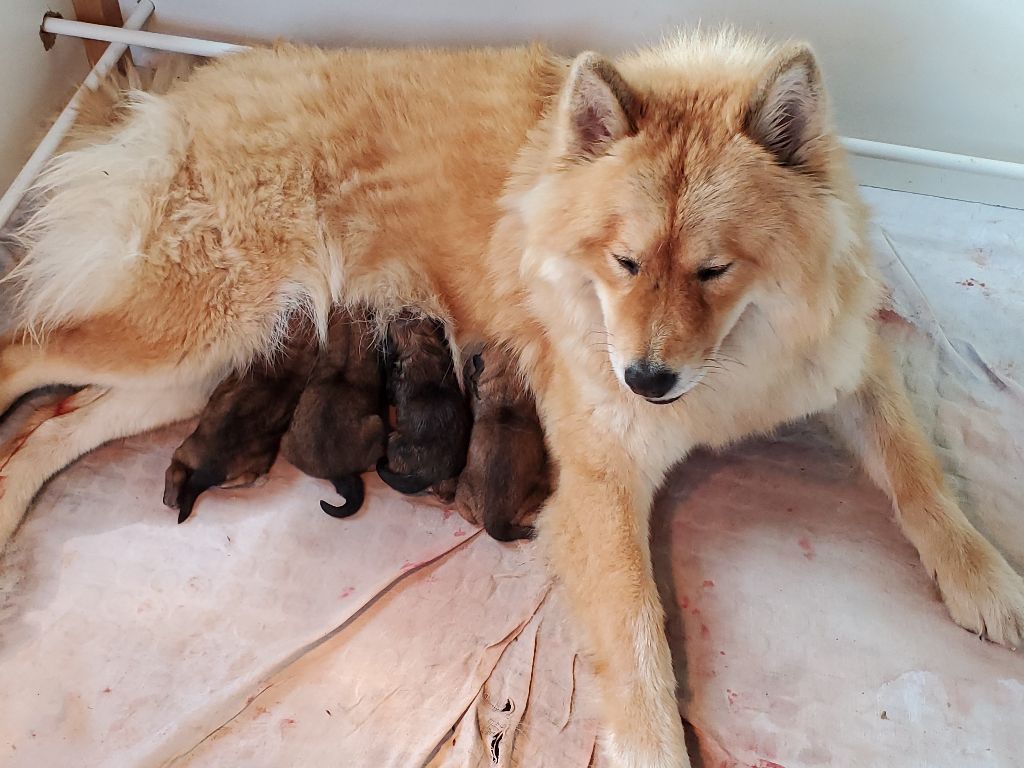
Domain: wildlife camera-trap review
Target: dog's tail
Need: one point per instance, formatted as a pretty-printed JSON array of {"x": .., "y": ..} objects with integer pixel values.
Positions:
[
  {"x": 406, "y": 484},
  {"x": 90, "y": 211},
  {"x": 354, "y": 491}
]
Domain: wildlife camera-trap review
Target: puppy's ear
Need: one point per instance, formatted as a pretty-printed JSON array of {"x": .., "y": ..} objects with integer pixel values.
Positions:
[
  {"x": 596, "y": 108},
  {"x": 473, "y": 370},
  {"x": 787, "y": 111}
]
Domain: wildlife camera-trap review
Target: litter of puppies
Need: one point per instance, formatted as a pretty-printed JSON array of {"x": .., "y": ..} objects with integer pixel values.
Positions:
[{"x": 324, "y": 406}]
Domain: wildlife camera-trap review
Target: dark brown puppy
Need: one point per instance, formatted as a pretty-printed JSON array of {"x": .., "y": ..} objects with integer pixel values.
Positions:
[
  {"x": 507, "y": 476},
  {"x": 432, "y": 418},
  {"x": 339, "y": 430},
  {"x": 240, "y": 429}
]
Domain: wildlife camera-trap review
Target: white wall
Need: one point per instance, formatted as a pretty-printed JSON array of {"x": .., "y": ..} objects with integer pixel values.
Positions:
[
  {"x": 942, "y": 74},
  {"x": 946, "y": 74},
  {"x": 36, "y": 84}
]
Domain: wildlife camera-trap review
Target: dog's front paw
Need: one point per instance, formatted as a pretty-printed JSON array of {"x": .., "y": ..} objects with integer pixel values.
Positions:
[
  {"x": 983, "y": 593},
  {"x": 620, "y": 753}
]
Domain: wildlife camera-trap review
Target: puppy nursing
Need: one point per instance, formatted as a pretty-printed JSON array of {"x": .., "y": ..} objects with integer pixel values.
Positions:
[
  {"x": 321, "y": 408},
  {"x": 324, "y": 410},
  {"x": 240, "y": 429},
  {"x": 338, "y": 430},
  {"x": 433, "y": 420},
  {"x": 506, "y": 479}
]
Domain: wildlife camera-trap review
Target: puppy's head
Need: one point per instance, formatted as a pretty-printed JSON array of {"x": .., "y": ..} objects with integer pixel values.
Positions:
[
  {"x": 418, "y": 352},
  {"x": 682, "y": 185}
]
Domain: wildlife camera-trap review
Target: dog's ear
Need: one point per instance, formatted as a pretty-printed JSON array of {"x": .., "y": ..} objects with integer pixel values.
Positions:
[
  {"x": 596, "y": 108},
  {"x": 787, "y": 111}
]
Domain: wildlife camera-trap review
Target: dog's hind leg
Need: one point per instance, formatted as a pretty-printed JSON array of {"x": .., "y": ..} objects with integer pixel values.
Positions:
[
  {"x": 25, "y": 367},
  {"x": 82, "y": 422}
]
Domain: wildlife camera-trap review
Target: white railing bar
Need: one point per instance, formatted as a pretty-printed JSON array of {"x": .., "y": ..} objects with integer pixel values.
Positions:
[
  {"x": 934, "y": 159},
  {"x": 155, "y": 40},
  {"x": 52, "y": 139}
]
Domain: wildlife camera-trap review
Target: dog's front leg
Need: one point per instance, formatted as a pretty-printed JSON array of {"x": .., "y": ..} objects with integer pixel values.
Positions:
[
  {"x": 594, "y": 530},
  {"x": 981, "y": 590}
]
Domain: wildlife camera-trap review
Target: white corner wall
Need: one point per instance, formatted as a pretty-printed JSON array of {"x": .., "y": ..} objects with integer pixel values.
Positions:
[
  {"x": 942, "y": 75},
  {"x": 945, "y": 75},
  {"x": 36, "y": 83}
]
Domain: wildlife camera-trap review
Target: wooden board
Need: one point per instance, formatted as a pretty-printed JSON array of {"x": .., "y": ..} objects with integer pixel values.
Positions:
[{"x": 98, "y": 12}]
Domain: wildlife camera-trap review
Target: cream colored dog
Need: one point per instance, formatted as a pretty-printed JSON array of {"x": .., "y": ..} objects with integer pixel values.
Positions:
[{"x": 633, "y": 230}]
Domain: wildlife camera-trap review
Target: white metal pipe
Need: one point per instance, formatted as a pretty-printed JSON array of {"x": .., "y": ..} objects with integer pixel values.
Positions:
[
  {"x": 155, "y": 40},
  {"x": 52, "y": 139},
  {"x": 935, "y": 159}
]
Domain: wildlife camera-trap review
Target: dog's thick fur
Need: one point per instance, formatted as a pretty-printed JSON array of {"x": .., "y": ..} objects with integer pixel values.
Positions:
[
  {"x": 684, "y": 212},
  {"x": 338, "y": 430},
  {"x": 428, "y": 446},
  {"x": 507, "y": 475}
]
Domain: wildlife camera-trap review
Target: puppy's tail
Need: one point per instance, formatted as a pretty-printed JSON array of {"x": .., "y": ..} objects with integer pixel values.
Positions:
[
  {"x": 354, "y": 491},
  {"x": 407, "y": 484}
]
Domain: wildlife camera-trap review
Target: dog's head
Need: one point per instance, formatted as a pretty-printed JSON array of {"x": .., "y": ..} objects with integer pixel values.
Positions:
[{"x": 679, "y": 187}]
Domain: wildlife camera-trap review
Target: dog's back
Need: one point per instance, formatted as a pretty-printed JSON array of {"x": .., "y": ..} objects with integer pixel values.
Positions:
[{"x": 264, "y": 154}]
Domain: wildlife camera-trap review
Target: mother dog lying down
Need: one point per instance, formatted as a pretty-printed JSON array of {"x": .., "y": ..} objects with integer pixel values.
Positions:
[{"x": 632, "y": 229}]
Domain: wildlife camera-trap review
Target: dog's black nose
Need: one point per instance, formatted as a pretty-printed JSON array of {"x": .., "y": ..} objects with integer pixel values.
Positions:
[{"x": 650, "y": 380}]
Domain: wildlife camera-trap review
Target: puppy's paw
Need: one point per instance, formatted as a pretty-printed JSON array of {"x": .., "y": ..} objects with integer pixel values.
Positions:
[
  {"x": 468, "y": 514},
  {"x": 184, "y": 484},
  {"x": 983, "y": 593},
  {"x": 446, "y": 490},
  {"x": 465, "y": 503},
  {"x": 174, "y": 480}
]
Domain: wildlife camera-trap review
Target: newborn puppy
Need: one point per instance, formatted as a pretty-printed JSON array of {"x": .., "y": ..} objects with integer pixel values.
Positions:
[
  {"x": 506, "y": 479},
  {"x": 338, "y": 431},
  {"x": 432, "y": 418},
  {"x": 240, "y": 429}
]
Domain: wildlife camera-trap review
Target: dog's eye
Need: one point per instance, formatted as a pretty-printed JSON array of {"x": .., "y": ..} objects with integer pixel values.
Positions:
[
  {"x": 704, "y": 274},
  {"x": 628, "y": 264}
]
